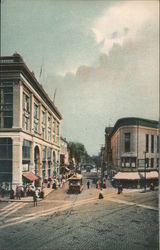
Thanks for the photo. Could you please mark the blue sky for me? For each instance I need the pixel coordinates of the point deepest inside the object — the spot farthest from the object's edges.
(101, 56)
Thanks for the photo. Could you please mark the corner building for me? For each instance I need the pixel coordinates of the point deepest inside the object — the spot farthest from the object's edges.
(131, 143)
(29, 125)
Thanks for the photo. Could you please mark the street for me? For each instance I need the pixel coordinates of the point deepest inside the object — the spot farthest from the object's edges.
(63, 221)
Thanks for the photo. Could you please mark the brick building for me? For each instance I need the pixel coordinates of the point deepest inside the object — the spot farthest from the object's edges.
(29, 125)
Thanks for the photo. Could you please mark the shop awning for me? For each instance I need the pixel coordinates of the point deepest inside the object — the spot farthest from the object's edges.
(136, 175)
(30, 176)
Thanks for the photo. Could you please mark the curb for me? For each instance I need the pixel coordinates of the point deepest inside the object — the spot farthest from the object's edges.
(26, 201)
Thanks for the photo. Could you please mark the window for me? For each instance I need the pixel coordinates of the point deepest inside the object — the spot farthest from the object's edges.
(127, 142)
(157, 144)
(49, 127)
(128, 162)
(43, 132)
(147, 162)
(43, 123)
(54, 130)
(43, 117)
(152, 143)
(26, 149)
(49, 162)
(26, 111)
(44, 162)
(5, 160)
(36, 118)
(152, 162)
(26, 102)
(157, 162)
(6, 105)
(57, 133)
(147, 143)
(26, 155)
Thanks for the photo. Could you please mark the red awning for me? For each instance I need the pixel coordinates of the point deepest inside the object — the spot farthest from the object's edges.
(30, 176)
(136, 175)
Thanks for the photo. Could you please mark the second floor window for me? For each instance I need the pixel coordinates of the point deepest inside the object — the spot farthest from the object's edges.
(147, 143)
(152, 143)
(127, 142)
(6, 105)
(36, 118)
(43, 123)
(157, 144)
(26, 111)
(43, 117)
(152, 162)
(54, 129)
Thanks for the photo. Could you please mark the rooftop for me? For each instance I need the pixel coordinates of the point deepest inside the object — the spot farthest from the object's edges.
(135, 121)
(16, 64)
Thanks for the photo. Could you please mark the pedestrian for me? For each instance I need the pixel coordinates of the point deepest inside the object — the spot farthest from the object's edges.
(62, 185)
(35, 199)
(120, 188)
(19, 191)
(152, 186)
(11, 194)
(88, 184)
(104, 183)
(42, 194)
(3, 191)
(25, 191)
(101, 194)
(98, 184)
(54, 185)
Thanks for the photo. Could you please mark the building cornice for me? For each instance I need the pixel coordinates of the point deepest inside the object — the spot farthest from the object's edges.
(15, 65)
(133, 121)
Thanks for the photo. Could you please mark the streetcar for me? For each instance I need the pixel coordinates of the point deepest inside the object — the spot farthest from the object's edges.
(75, 184)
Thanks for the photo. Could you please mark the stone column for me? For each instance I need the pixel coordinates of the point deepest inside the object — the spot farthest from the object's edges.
(17, 161)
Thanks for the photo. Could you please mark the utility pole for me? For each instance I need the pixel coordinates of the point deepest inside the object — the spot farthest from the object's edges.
(145, 171)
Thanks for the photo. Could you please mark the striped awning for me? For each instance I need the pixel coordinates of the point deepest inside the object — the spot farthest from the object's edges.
(136, 175)
(30, 176)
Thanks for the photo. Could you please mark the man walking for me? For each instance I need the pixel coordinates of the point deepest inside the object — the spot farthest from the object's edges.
(88, 184)
(35, 199)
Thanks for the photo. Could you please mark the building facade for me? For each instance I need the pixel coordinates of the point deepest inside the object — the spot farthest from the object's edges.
(29, 124)
(132, 144)
(64, 152)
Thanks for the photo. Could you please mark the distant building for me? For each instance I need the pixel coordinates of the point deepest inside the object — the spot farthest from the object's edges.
(130, 144)
(29, 125)
(64, 153)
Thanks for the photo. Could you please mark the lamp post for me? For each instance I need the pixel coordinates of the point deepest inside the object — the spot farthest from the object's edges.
(145, 171)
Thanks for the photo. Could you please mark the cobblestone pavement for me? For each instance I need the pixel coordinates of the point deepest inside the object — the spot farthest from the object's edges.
(126, 221)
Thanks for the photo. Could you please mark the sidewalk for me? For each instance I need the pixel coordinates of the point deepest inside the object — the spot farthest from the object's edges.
(27, 199)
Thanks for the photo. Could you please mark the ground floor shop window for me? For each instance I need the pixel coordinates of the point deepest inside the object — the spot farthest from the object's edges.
(44, 162)
(5, 160)
(36, 160)
(49, 162)
(128, 162)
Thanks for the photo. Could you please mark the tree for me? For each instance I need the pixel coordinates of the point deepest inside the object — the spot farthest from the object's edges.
(78, 152)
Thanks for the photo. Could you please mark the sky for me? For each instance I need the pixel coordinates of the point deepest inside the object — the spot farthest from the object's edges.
(101, 58)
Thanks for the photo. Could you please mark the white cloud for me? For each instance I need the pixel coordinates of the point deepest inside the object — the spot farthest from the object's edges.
(123, 21)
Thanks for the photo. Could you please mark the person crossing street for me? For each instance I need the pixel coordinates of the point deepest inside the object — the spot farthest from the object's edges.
(35, 196)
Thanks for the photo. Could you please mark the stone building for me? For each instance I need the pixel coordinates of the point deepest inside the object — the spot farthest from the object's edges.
(29, 125)
(130, 144)
(64, 152)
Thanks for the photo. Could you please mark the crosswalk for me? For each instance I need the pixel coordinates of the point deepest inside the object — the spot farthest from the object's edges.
(10, 209)
(9, 215)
